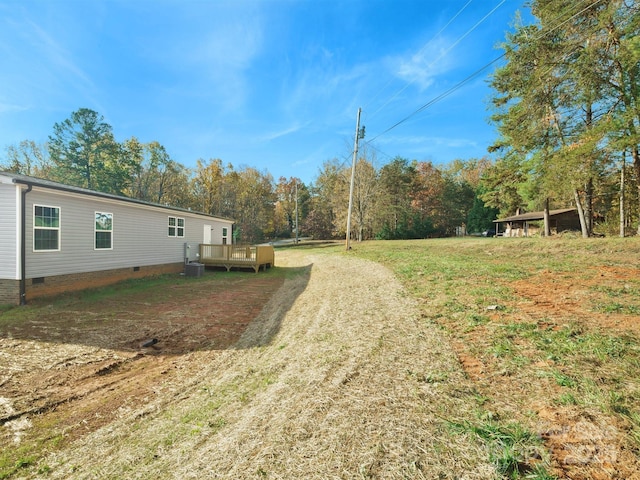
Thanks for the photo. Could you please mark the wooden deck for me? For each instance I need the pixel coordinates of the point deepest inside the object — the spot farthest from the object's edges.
(238, 256)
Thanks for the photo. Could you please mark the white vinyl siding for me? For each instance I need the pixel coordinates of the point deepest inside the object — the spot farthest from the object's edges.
(9, 231)
(139, 238)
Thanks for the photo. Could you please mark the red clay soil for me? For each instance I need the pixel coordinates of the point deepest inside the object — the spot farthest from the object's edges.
(55, 367)
(552, 295)
(583, 444)
(576, 439)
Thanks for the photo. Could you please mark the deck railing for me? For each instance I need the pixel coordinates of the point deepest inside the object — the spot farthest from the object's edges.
(229, 256)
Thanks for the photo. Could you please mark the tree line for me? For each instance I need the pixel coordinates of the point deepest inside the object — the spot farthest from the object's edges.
(402, 199)
(565, 103)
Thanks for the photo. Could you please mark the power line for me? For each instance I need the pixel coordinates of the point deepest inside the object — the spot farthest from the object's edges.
(453, 45)
(369, 145)
(477, 72)
(424, 47)
(440, 97)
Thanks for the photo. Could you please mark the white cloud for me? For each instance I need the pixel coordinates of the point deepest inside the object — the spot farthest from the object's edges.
(43, 64)
(229, 46)
(269, 136)
(214, 64)
(12, 108)
(324, 92)
(423, 67)
(59, 58)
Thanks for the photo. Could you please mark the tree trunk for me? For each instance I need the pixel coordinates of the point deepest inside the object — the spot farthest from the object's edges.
(636, 165)
(588, 205)
(547, 226)
(622, 214)
(583, 222)
(87, 174)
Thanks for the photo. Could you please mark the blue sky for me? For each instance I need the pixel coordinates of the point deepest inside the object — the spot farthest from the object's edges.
(271, 84)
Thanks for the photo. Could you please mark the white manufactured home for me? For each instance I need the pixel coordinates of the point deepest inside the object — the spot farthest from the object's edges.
(56, 238)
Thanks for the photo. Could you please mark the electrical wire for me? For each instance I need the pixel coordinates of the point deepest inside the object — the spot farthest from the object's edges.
(442, 54)
(440, 97)
(477, 72)
(370, 145)
(424, 47)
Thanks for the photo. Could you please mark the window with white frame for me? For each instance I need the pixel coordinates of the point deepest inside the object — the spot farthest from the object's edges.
(176, 227)
(104, 231)
(46, 228)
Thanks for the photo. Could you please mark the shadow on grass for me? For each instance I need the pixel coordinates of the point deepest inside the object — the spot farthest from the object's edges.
(167, 315)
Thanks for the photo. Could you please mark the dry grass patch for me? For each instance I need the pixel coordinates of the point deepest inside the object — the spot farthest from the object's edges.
(337, 377)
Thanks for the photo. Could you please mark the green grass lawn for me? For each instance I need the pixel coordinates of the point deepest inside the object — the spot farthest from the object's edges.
(549, 331)
(546, 330)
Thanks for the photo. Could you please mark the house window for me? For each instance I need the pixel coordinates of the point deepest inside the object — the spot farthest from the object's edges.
(176, 227)
(46, 228)
(104, 231)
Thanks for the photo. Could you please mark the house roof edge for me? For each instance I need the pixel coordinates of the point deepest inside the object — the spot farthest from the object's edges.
(533, 216)
(43, 183)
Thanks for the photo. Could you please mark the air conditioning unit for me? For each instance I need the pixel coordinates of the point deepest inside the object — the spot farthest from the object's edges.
(194, 269)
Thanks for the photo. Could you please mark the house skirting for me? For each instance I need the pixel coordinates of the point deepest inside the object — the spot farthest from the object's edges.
(9, 292)
(55, 285)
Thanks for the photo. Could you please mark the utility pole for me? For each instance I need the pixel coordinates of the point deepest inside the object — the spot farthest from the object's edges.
(296, 211)
(359, 135)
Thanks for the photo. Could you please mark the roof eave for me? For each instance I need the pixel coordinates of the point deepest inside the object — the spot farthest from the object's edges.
(33, 181)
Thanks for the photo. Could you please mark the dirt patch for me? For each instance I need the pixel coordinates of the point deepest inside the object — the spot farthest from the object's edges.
(336, 376)
(575, 297)
(80, 366)
(508, 358)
